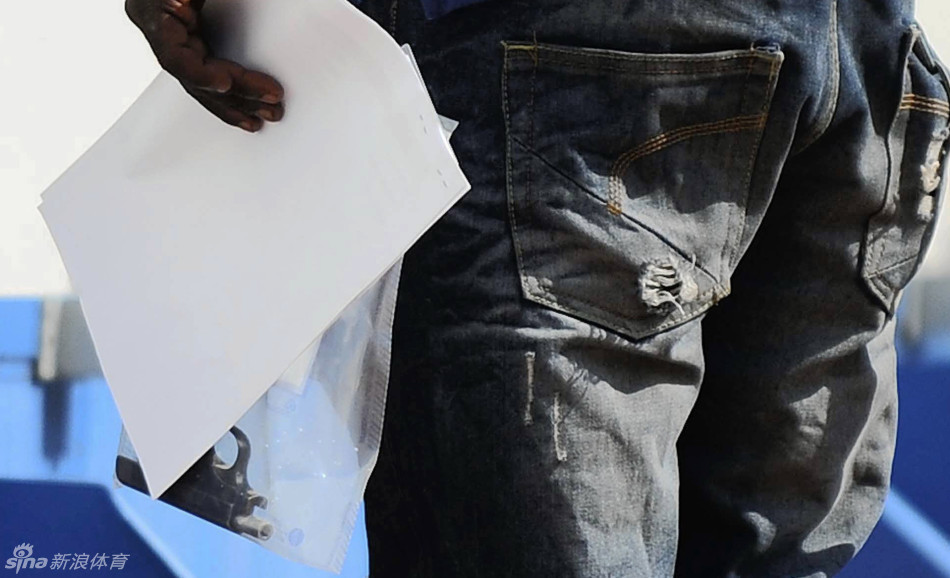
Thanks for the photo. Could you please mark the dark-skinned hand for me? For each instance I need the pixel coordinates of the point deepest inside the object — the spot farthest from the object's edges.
(238, 96)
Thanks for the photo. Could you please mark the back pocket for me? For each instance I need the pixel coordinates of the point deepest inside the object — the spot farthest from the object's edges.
(917, 146)
(628, 177)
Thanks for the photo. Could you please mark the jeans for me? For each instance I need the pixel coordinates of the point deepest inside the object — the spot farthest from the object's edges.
(656, 338)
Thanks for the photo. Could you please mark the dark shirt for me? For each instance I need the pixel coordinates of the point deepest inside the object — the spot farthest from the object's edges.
(436, 8)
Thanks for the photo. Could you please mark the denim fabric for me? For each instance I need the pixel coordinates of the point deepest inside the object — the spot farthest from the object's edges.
(657, 336)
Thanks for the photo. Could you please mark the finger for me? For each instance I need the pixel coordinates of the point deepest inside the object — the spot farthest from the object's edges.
(229, 114)
(253, 85)
(263, 110)
(184, 11)
(192, 68)
(271, 112)
(184, 57)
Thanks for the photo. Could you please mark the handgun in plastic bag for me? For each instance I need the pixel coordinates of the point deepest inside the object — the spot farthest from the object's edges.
(211, 489)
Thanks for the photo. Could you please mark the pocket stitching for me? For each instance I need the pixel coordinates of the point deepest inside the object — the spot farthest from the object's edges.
(878, 256)
(927, 100)
(667, 139)
(620, 323)
(878, 287)
(689, 311)
(651, 72)
(700, 63)
(900, 263)
(925, 104)
(656, 234)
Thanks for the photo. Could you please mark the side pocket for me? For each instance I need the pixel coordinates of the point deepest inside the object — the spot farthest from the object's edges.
(918, 143)
(628, 177)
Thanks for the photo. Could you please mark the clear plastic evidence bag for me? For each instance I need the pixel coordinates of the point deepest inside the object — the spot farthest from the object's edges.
(291, 473)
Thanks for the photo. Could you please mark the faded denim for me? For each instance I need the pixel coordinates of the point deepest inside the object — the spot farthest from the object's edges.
(657, 336)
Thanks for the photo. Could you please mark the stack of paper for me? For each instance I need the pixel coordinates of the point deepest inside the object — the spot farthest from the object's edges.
(207, 259)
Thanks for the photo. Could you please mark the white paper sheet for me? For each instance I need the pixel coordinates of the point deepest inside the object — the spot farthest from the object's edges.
(207, 259)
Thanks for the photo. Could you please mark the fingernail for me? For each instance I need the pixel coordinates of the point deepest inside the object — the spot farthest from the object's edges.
(265, 114)
(248, 125)
(270, 98)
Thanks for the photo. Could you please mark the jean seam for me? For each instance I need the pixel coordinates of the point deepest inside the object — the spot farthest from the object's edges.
(900, 263)
(557, 170)
(823, 122)
(750, 167)
(882, 290)
(874, 257)
(533, 83)
(740, 212)
(913, 253)
(512, 218)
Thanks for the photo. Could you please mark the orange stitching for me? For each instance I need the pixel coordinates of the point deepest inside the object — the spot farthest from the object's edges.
(655, 147)
(907, 105)
(667, 139)
(924, 108)
(595, 53)
(927, 108)
(659, 143)
(648, 71)
(925, 100)
(615, 182)
(594, 64)
(913, 103)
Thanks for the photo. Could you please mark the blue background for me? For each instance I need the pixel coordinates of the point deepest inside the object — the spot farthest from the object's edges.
(56, 489)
